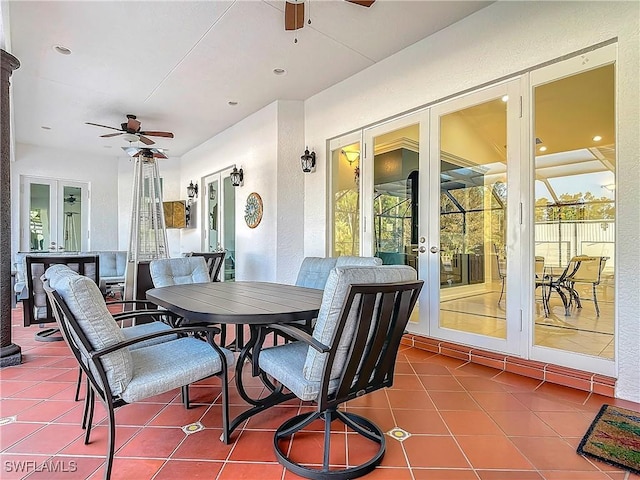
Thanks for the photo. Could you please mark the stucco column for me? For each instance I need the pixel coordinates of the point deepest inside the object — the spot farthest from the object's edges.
(10, 353)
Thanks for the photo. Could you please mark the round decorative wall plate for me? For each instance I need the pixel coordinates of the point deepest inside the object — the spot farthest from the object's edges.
(253, 210)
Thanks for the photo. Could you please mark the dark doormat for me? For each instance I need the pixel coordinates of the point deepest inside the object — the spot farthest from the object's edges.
(614, 438)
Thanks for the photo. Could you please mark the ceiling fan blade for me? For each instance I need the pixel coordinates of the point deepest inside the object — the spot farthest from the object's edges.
(362, 3)
(157, 134)
(133, 125)
(111, 135)
(103, 126)
(293, 16)
(145, 140)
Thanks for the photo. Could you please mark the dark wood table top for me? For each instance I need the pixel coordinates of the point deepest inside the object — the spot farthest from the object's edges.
(238, 302)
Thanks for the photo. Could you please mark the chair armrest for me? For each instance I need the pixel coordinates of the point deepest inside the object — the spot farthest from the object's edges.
(299, 334)
(132, 341)
(146, 305)
(156, 315)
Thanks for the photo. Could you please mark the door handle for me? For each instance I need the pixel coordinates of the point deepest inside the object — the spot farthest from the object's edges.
(434, 249)
(419, 250)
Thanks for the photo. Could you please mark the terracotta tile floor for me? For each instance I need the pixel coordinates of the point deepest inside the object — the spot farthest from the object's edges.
(464, 423)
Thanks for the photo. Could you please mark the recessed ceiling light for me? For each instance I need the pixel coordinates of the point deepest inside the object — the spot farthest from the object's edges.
(232, 103)
(597, 138)
(543, 148)
(45, 127)
(107, 146)
(505, 98)
(62, 50)
(279, 71)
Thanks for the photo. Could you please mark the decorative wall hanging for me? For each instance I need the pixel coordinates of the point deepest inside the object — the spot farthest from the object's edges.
(253, 210)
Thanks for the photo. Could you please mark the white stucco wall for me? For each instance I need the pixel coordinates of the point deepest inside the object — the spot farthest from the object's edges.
(499, 40)
(260, 145)
(99, 172)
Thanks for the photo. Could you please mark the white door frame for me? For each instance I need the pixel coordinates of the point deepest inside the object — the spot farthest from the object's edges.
(516, 274)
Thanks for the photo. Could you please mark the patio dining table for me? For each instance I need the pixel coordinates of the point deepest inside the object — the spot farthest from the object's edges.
(241, 303)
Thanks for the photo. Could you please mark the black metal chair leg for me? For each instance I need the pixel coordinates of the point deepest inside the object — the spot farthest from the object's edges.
(92, 402)
(85, 413)
(111, 445)
(501, 292)
(77, 396)
(185, 396)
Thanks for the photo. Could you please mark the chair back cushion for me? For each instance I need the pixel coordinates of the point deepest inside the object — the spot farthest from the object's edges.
(314, 271)
(86, 303)
(340, 278)
(178, 271)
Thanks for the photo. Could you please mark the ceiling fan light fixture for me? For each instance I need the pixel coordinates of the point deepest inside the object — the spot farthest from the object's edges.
(130, 137)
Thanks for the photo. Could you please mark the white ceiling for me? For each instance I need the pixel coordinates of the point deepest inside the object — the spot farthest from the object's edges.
(177, 64)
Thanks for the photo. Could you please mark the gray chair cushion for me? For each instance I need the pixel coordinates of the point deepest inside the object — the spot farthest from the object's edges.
(165, 366)
(314, 271)
(285, 362)
(332, 300)
(347, 261)
(86, 303)
(177, 271)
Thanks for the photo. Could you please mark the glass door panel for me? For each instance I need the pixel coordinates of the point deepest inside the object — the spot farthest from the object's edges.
(40, 217)
(57, 213)
(345, 191)
(472, 140)
(220, 220)
(574, 211)
(391, 173)
(395, 196)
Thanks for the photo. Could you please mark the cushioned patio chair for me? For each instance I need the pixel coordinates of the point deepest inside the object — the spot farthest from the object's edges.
(180, 271)
(351, 353)
(314, 271)
(214, 260)
(119, 375)
(40, 309)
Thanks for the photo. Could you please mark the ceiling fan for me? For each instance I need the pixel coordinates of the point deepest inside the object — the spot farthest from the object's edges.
(132, 132)
(294, 12)
(72, 199)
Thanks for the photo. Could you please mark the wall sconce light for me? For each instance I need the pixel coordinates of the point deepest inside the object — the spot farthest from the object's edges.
(212, 193)
(236, 177)
(308, 160)
(192, 191)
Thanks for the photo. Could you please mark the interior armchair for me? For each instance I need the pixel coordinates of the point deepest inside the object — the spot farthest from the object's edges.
(120, 375)
(351, 353)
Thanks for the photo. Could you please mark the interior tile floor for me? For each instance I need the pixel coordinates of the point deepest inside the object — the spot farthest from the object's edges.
(464, 422)
(582, 331)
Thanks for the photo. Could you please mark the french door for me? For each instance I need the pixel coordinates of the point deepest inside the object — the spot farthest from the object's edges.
(55, 215)
(440, 191)
(473, 222)
(219, 219)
